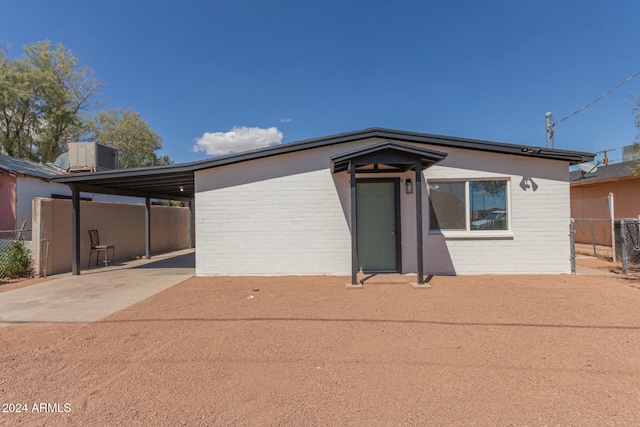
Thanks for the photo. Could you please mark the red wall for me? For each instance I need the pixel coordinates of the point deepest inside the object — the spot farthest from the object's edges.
(7, 202)
(626, 195)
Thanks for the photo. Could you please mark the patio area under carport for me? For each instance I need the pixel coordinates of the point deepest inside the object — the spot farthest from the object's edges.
(171, 182)
(97, 293)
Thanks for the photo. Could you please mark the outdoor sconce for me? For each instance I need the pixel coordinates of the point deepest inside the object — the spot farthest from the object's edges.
(409, 186)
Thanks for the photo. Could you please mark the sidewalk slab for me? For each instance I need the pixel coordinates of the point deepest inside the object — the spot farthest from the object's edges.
(97, 293)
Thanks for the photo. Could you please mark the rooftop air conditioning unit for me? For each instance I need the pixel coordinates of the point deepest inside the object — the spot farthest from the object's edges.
(629, 153)
(91, 156)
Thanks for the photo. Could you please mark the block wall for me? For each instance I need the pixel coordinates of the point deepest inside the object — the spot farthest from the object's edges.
(289, 215)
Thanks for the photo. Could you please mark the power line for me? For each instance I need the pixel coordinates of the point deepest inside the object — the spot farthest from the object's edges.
(598, 98)
(551, 122)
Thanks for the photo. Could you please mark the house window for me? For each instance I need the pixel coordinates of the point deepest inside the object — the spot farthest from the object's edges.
(469, 205)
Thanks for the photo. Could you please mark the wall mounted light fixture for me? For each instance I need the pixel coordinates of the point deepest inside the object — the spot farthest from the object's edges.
(409, 186)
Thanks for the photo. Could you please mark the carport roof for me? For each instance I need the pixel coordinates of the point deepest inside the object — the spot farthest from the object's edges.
(172, 182)
(177, 181)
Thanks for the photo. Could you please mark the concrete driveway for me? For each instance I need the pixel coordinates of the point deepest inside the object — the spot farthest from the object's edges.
(95, 293)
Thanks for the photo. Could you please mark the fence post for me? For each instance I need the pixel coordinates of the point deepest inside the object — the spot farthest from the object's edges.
(612, 221)
(623, 232)
(593, 237)
(572, 234)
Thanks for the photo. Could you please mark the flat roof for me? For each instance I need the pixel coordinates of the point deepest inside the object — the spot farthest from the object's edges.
(177, 181)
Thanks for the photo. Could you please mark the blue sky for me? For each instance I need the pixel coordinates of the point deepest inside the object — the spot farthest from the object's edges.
(292, 70)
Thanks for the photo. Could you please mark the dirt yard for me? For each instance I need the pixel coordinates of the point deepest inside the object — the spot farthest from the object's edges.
(471, 351)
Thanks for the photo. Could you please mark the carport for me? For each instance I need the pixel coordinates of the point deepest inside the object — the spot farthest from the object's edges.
(171, 182)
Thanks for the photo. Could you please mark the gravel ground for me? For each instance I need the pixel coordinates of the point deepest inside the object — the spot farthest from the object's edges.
(11, 284)
(472, 351)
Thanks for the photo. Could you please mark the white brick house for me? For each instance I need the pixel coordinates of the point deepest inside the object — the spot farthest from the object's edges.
(287, 210)
(376, 200)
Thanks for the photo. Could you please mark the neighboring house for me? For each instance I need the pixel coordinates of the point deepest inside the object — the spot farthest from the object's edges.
(617, 179)
(376, 200)
(22, 180)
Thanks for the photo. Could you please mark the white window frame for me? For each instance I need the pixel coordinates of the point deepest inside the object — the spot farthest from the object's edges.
(468, 233)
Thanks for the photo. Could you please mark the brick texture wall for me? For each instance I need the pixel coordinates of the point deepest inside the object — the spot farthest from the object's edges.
(289, 215)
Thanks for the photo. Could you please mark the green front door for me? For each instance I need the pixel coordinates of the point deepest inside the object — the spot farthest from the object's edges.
(376, 216)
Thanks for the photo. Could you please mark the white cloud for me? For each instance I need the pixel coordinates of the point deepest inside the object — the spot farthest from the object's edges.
(237, 139)
(285, 120)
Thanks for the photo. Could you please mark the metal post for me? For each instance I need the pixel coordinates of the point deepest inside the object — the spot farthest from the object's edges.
(612, 224)
(593, 238)
(623, 232)
(354, 227)
(419, 223)
(572, 234)
(147, 227)
(75, 230)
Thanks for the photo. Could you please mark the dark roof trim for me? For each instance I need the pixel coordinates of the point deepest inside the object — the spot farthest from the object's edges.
(388, 153)
(169, 178)
(573, 157)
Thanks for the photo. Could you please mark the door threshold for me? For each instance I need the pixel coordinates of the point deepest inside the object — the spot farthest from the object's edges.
(390, 278)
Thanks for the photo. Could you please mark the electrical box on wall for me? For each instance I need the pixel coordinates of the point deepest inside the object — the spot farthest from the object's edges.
(91, 156)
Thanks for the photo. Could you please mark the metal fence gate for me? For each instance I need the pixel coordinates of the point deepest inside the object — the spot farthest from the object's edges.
(594, 227)
(627, 236)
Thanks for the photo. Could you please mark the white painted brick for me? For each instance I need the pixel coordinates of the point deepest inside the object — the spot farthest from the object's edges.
(284, 215)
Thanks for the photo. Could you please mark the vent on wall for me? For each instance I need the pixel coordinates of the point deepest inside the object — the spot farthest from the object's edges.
(91, 156)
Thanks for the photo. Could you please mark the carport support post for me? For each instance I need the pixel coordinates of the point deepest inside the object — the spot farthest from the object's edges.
(75, 230)
(354, 228)
(147, 227)
(419, 222)
(192, 223)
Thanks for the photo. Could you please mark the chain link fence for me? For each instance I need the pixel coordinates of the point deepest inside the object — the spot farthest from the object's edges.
(15, 254)
(594, 227)
(627, 231)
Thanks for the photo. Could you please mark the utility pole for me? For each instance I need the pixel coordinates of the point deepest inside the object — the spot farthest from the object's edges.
(550, 122)
(605, 159)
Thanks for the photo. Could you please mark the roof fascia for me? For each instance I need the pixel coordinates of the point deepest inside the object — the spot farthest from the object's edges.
(87, 188)
(573, 157)
(591, 182)
(122, 173)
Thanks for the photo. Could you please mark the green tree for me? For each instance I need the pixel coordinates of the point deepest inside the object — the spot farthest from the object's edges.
(19, 110)
(66, 95)
(127, 132)
(44, 98)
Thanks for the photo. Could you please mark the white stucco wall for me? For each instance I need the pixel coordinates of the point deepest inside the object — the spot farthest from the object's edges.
(289, 215)
(28, 188)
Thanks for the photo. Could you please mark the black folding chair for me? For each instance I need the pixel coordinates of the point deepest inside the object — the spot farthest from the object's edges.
(97, 247)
